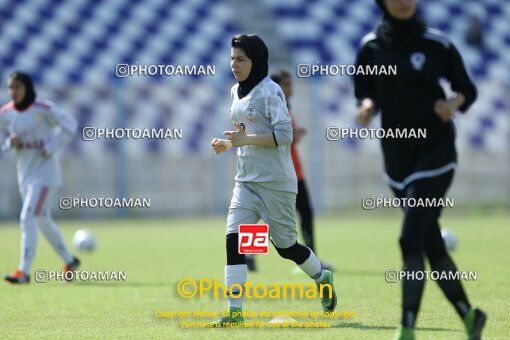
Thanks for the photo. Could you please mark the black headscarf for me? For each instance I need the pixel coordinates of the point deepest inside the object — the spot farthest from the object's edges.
(29, 90)
(393, 30)
(256, 50)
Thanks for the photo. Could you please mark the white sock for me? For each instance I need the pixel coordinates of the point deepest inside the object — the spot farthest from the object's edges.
(54, 237)
(235, 274)
(312, 267)
(28, 242)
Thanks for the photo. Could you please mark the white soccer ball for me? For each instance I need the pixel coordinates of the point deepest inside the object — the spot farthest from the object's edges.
(83, 240)
(449, 239)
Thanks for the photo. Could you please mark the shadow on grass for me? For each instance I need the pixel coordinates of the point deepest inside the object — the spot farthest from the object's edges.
(358, 325)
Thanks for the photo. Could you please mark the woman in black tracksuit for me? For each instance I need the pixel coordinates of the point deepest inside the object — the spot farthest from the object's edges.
(417, 168)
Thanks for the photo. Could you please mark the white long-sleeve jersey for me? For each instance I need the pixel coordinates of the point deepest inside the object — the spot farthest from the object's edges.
(41, 127)
(261, 111)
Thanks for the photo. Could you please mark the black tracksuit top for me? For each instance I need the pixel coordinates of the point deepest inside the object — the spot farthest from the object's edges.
(406, 100)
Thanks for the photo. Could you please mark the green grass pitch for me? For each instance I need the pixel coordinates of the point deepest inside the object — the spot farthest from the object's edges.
(156, 254)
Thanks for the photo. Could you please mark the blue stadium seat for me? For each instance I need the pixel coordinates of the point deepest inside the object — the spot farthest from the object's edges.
(75, 43)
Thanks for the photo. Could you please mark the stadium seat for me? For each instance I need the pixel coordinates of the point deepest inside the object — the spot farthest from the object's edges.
(78, 44)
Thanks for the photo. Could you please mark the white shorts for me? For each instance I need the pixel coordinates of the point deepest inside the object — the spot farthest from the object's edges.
(252, 202)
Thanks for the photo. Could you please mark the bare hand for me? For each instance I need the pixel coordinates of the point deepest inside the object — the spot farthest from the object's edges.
(237, 137)
(444, 109)
(15, 141)
(365, 111)
(220, 145)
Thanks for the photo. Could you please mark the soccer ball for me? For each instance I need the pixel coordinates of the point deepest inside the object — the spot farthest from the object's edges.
(83, 240)
(449, 239)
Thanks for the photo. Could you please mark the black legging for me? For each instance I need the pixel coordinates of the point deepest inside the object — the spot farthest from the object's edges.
(420, 230)
(421, 234)
(304, 208)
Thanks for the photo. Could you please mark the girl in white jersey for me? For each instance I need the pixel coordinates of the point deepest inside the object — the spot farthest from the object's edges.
(266, 183)
(36, 131)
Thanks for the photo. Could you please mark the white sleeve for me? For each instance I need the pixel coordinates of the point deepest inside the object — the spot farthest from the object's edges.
(280, 118)
(5, 138)
(66, 129)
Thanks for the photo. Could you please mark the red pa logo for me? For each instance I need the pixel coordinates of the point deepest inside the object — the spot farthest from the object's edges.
(253, 238)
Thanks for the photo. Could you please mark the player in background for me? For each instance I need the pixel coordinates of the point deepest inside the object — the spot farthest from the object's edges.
(266, 184)
(36, 130)
(303, 203)
(418, 168)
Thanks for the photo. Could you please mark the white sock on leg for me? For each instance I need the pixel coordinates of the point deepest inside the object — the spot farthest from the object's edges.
(28, 242)
(312, 267)
(52, 233)
(235, 274)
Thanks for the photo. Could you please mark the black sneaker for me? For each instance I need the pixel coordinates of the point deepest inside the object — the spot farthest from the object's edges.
(17, 277)
(474, 322)
(71, 267)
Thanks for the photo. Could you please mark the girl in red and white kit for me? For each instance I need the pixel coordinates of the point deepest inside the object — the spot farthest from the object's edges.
(36, 130)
